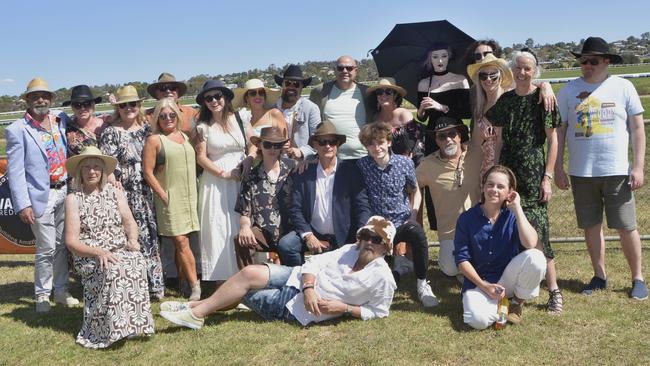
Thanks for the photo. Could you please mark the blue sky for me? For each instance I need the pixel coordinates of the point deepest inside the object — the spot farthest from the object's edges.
(70, 42)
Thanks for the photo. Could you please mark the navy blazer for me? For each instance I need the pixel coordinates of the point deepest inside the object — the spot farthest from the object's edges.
(350, 206)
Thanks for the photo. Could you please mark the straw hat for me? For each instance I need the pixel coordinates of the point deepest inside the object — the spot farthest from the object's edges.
(35, 85)
(382, 227)
(326, 128)
(271, 134)
(387, 83)
(272, 95)
(491, 60)
(125, 94)
(167, 78)
(90, 151)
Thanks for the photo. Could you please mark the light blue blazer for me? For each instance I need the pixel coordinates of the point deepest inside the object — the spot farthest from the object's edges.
(28, 168)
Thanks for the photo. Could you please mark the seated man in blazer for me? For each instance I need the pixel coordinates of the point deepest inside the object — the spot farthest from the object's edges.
(328, 201)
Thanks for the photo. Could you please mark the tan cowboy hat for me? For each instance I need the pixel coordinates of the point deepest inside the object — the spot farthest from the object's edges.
(90, 151)
(491, 60)
(36, 85)
(387, 83)
(326, 128)
(382, 227)
(270, 134)
(272, 95)
(167, 78)
(125, 94)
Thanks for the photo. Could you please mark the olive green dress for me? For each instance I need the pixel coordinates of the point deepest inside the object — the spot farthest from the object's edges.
(178, 178)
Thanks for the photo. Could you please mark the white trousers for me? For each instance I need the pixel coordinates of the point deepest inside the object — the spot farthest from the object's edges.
(446, 259)
(521, 278)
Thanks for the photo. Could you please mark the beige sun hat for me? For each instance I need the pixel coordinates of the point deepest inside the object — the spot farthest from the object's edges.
(387, 83)
(36, 85)
(90, 151)
(491, 60)
(272, 95)
(125, 94)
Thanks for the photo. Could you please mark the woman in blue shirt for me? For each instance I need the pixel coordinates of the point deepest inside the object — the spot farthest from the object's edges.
(494, 250)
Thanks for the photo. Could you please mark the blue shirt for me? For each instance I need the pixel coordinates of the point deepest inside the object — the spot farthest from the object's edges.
(489, 248)
(388, 188)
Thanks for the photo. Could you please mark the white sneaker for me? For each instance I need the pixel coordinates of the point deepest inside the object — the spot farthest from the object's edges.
(64, 298)
(42, 304)
(243, 307)
(184, 318)
(174, 306)
(402, 265)
(425, 294)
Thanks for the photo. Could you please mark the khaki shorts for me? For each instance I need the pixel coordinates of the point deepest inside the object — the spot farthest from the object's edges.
(591, 194)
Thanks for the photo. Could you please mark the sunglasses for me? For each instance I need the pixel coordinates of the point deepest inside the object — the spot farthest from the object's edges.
(167, 87)
(78, 105)
(483, 76)
(590, 61)
(272, 145)
(166, 116)
(127, 104)
(324, 142)
(292, 83)
(373, 238)
(256, 92)
(341, 68)
(385, 91)
(478, 56)
(211, 97)
(443, 135)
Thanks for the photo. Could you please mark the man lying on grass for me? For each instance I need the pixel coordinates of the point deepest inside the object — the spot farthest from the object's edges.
(353, 280)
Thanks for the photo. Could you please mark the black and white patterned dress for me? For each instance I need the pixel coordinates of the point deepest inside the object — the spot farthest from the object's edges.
(127, 147)
(116, 300)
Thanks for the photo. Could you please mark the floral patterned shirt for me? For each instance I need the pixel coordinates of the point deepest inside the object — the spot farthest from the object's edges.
(54, 146)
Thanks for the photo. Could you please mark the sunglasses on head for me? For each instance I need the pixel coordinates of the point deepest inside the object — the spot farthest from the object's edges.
(373, 238)
(167, 87)
(292, 83)
(256, 92)
(211, 97)
(385, 91)
(86, 104)
(483, 76)
(127, 104)
(166, 116)
(272, 145)
(443, 135)
(325, 142)
(341, 68)
(591, 61)
(478, 56)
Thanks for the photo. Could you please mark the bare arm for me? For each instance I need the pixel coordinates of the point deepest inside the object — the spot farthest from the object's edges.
(551, 157)
(638, 149)
(415, 199)
(151, 149)
(546, 95)
(527, 234)
(310, 296)
(561, 180)
(202, 158)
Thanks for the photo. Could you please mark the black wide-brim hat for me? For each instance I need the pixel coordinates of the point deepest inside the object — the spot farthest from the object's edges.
(445, 123)
(214, 85)
(596, 46)
(293, 72)
(81, 93)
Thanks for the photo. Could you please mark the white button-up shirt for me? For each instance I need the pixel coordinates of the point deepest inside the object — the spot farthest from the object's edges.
(321, 215)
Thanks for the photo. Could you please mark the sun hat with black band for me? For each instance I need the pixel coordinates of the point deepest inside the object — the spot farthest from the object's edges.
(293, 72)
(213, 85)
(81, 93)
(270, 134)
(90, 151)
(125, 94)
(167, 78)
(37, 85)
(491, 60)
(272, 95)
(326, 128)
(596, 46)
(387, 83)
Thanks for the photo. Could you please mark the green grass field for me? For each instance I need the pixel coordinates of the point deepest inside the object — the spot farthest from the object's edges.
(607, 328)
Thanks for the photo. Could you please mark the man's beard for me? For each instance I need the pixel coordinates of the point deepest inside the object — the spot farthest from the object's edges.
(451, 149)
(41, 110)
(290, 96)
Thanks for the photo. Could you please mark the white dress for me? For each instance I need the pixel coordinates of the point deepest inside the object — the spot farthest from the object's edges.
(217, 197)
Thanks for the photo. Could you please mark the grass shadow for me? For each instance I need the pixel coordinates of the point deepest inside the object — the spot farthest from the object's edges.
(62, 319)
(16, 264)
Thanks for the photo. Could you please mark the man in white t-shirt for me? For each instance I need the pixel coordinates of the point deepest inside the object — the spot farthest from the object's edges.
(342, 102)
(600, 114)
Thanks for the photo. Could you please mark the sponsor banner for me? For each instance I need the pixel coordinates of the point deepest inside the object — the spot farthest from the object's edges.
(15, 236)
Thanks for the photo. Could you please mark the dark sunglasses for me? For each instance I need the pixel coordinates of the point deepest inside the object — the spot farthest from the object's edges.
(256, 92)
(86, 104)
(373, 238)
(590, 61)
(127, 104)
(324, 142)
(165, 116)
(488, 76)
(478, 56)
(341, 68)
(443, 135)
(385, 91)
(272, 145)
(168, 87)
(292, 83)
(211, 97)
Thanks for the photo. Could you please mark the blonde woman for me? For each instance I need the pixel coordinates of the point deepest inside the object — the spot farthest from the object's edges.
(124, 140)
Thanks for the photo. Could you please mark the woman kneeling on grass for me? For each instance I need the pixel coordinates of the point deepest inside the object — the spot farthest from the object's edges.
(353, 280)
(488, 248)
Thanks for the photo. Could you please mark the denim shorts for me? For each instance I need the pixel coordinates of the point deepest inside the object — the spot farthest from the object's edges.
(270, 301)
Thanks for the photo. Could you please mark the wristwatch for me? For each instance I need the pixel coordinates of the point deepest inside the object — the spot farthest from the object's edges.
(348, 310)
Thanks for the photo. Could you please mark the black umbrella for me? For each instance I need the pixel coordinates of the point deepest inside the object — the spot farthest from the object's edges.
(401, 54)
